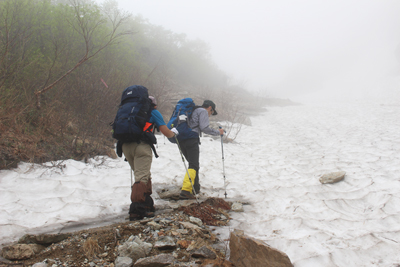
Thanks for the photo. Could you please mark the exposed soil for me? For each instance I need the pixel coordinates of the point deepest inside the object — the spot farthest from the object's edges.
(209, 211)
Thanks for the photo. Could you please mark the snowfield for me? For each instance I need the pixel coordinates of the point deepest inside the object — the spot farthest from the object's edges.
(273, 165)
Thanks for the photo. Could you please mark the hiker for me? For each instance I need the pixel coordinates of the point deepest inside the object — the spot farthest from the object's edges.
(198, 122)
(139, 155)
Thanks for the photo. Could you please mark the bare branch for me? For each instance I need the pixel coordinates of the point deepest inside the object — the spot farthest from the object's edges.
(87, 31)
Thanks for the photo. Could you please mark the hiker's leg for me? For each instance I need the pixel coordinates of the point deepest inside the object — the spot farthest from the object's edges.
(140, 158)
(187, 183)
(142, 163)
(129, 152)
(190, 149)
(143, 160)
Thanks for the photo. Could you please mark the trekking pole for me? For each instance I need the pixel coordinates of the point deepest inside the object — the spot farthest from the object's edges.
(223, 164)
(187, 171)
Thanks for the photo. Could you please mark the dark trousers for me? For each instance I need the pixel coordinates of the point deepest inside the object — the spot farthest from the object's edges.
(191, 150)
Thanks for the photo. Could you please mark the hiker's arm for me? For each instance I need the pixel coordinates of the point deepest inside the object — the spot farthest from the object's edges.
(159, 121)
(204, 124)
(165, 131)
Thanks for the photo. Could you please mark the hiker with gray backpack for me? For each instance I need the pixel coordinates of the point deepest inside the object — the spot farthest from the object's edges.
(133, 127)
(188, 121)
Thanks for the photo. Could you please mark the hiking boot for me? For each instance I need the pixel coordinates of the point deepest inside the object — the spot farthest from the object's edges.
(135, 217)
(149, 203)
(186, 195)
(149, 214)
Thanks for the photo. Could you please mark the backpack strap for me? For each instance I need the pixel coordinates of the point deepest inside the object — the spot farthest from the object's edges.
(148, 136)
(154, 150)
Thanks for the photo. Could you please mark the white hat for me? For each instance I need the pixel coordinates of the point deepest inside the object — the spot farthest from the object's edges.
(153, 99)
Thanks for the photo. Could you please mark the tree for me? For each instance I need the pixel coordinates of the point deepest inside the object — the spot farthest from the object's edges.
(91, 26)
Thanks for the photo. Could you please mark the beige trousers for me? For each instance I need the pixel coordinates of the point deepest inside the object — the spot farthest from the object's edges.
(139, 157)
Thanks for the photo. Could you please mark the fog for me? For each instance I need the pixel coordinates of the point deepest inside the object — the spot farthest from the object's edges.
(292, 49)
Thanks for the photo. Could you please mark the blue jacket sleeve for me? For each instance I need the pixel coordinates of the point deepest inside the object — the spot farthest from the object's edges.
(157, 118)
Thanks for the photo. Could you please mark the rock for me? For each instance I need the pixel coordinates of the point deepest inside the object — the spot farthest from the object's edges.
(165, 221)
(204, 252)
(21, 251)
(196, 244)
(43, 239)
(136, 239)
(183, 244)
(246, 251)
(237, 207)
(154, 225)
(182, 231)
(134, 248)
(40, 264)
(165, 242)
(169, 192)
(123, 262)
(195, 220)
(332, 177)
(222, 247)
(155, 261)
(189, 225)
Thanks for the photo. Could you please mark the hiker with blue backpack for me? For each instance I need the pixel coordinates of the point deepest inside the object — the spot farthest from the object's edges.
(133, 127)
(189, 121)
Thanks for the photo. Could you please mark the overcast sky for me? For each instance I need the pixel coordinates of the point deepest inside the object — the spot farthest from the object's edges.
(290, 47)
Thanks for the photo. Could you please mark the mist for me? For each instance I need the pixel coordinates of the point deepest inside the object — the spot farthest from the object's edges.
(292, 49)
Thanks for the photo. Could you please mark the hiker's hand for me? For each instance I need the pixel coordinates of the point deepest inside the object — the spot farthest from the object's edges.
(175, 131)
(221, 131)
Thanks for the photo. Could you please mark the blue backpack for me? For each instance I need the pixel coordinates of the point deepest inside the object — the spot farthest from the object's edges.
(132, 115)
(184, 107)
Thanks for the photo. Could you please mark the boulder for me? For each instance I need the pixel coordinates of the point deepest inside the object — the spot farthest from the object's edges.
(332, 177)
(246, 251)
(168, 192)
(134, 248)
(43, 239)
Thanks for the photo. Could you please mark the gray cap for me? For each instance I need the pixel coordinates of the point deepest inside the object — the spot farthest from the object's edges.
(212, 104)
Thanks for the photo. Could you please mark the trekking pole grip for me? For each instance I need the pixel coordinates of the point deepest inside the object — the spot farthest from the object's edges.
(220, 127)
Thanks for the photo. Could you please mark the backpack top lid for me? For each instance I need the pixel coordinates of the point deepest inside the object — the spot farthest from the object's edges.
(185, 105)
(134, 91)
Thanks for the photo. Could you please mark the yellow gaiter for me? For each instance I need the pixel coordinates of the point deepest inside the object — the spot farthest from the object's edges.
(187, 186)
